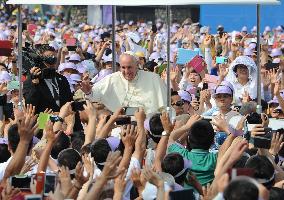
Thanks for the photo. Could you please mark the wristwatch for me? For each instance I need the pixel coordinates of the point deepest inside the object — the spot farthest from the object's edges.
(164, 133)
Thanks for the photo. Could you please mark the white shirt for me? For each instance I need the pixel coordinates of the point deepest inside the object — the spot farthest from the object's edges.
(147, 90)
(250, 87)
(4, 165)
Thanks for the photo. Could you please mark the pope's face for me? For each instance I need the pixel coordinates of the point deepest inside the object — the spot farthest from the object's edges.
(128, 68)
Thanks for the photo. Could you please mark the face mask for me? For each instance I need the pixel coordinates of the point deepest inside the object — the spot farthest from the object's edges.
(50, 60)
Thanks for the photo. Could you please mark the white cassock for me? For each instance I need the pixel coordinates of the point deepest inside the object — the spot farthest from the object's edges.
(147, 90)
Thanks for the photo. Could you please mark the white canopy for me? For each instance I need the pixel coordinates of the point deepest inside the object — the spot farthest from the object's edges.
(140, 2)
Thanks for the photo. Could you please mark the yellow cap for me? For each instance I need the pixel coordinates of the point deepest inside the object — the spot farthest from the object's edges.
(140, 54)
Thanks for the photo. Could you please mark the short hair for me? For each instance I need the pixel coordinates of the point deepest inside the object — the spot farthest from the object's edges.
(14, 139)
(241, 190)
(2, 64)
(62, 142)
(201, 135)
(131, 55)
(276, 193)
(156, 127)
(69, 158)
(172, 164)
(263, 169)
(4, 153)
(174, 93)
(86, 149)
(99, 151)
(44, 48)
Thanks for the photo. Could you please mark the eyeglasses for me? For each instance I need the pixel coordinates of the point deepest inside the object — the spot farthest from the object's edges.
(178, 103)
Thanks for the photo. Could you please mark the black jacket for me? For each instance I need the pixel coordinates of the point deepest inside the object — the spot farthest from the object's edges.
(40, 96)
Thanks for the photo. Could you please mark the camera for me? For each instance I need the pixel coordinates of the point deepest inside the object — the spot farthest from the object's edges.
(254, 118)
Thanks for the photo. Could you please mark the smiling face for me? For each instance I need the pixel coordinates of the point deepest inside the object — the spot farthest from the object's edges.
(128, 67)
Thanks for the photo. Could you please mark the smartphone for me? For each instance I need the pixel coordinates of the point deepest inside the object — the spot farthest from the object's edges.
(237, 108)
(71, 44)
(21, 182)
(8, 111)
(197, 94)
(123, 121)
(130, 111)
(263, 141)
(154, 28)
(40, 179)
(78, 105)
(33, 197)
(233, 173)
(221, 60)
(181, 194)
(270, 66)
(50, 183)
(54, 118)
(205, 86)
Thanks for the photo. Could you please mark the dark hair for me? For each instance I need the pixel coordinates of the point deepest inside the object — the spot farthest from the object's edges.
(14, 139)
(263, 169)
(86, 149)
(99, 151)
(172, 164)
(241, 162)
(45, 47)
(77, 140)
(2, 64)
(174, 93)
(69, 158)
(4, 153)
(62, 142)
(156, 127)
(276, 193)
(201, 135)
(241, 190)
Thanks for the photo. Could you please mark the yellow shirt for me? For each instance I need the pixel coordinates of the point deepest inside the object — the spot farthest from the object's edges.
(147, 90)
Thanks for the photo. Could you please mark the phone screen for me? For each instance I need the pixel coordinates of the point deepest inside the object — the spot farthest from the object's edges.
(123, 121)
(49, 185)
(130, 111)
(33, 197)
(22, 183)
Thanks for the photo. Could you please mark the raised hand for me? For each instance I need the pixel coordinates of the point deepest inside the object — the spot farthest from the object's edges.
(166, 122)
(128, 135)
(194, 118)
(65, 180)
(29, 164)
(86, 86)
(174, 74)
(90, 110)
(110, 168)
(140, 115)
(80, 179)
(152, 177)
(276, 143)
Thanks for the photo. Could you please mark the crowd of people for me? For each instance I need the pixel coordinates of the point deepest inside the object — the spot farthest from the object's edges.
(84, 131)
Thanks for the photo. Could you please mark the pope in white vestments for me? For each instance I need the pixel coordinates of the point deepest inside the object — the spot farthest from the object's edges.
(130, 87)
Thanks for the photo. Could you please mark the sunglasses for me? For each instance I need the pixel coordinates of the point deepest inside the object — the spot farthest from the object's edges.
(178, 103)
(218, 96)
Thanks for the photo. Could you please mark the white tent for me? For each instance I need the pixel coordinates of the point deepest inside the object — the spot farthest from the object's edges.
(166, 3)
(139, 2)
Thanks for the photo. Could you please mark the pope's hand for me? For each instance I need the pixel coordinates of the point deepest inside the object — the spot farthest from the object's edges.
(86, 85)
